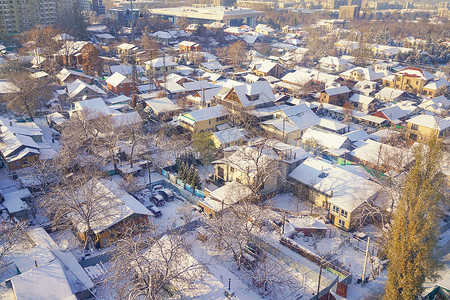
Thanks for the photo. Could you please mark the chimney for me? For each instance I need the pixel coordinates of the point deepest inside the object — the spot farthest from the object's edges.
(35, 263)
(10, 123)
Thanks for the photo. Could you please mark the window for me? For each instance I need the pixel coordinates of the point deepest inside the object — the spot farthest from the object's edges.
(344, 213)
(341, 223)
(25, 161)
(414, 126)
(17, 163)
(231, 169)
(86, 92)
(335, 209)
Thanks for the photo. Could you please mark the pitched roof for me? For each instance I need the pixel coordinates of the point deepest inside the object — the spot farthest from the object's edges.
(337, 90)
(161, 105)
(229, 135)
(358, 98)
(429, 121)
(346, 189)
(324, 138)
(260, 88)
(95, 106)
(416, 73)
(117, 78)
(207, 113)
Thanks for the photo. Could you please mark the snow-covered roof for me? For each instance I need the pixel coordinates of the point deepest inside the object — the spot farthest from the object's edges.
(366, 73)
(389, 94)
(346, 189)
(122, 205)
(95, 107)
(430, 121)
(161, 62)
(337, 90)
(229, 135)
(357, 135)
(331, 124)
(332, 60)
(416, 73)
(260, 88)
(377, 154)
(118, 99)
(436, 105)
(7, 87)
(434, 85)
(206, 113)
(125, 69)
(77, 277)
(358, 98)
(212, 65)
(75, 88)
(162, 105)
(327, 139)
(301, 116)
(393, 113)
(126, 119)
(117, 78)
(43, 283)
(126, 46)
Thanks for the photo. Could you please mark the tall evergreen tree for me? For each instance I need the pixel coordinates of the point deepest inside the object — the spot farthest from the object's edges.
(415, 228)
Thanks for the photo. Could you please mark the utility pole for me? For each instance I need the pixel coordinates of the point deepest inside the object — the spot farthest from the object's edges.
(365, 262)
(133, 61)
(318, 283)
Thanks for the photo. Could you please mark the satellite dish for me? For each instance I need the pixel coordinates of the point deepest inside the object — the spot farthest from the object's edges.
(63, 245)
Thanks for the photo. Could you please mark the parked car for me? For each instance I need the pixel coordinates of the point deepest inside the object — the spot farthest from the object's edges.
(157, 187)
(167, 194)
(156, 211)
(158, 199)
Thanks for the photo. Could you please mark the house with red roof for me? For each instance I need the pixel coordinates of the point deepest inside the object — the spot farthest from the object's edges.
(409, 79)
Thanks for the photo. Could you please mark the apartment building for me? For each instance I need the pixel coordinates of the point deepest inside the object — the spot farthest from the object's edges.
(21, 15)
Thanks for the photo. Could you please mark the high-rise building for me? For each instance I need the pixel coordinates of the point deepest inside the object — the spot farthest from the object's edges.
(20, 15)
(97, 6)
(349, 12)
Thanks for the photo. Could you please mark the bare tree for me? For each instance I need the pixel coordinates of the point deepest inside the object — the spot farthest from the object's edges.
(27, 94)
(272, 277)
(92, 63)
(81, 201)
(11, 235)
(144, 265)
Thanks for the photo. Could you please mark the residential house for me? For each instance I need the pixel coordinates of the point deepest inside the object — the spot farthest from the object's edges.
(394, 114)
(228, 138)
(125, 49)
(119, 84)
(421, 127)
(203, 98)
(263, 67)
(381, 157)
(164, 37)
(67, 76)
(224, 197)
(315, 139)
(410, 80)
(437, 105)
(90, 109)
(264, 165)
(162, 108)
(17, 149)
(81, 90)
(204, 119)
(291, 123)
(70, 53)
(340, 191)
(360, 74)
(333, 64)
(160, 66)
(389, 94)
(433, 87)
(265, 30)
(126, 70)
(363, 103)
(335, 95)
(121, 209)
(46, 272)
(178, 87)
(239, 98)
(16, 204)
(187, 46)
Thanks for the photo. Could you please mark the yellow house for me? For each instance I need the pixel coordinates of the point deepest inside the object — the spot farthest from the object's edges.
(224, 197)
(228, 137)
(204, 119)
(264, 164)
(342, 193)
(433, 87)
(410, 80)
(425, 126)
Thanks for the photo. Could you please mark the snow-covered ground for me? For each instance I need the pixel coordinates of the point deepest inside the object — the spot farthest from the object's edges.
(47, 133)
(289, 202)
